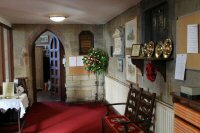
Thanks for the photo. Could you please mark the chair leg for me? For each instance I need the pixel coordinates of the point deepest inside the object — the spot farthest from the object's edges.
(103, 127)
(125, 128)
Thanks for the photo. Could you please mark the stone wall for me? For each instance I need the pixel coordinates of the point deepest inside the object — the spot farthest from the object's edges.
(109, 29)
(83, 88)
(176, 8)
(159, 86)
(25, 35)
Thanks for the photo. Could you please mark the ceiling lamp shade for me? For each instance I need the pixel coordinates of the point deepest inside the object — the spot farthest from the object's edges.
(57, 18)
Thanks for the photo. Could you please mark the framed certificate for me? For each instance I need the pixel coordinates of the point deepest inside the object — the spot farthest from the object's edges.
(135, 50)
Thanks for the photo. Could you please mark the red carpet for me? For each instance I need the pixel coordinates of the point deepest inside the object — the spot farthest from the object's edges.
(59, 117)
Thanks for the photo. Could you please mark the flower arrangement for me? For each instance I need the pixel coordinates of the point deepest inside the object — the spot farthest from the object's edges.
(96, 61)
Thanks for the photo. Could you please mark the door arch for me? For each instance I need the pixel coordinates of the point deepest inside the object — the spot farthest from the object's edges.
(62, 90)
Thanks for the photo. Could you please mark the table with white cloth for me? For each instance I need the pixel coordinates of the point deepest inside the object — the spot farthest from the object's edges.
(14, 102)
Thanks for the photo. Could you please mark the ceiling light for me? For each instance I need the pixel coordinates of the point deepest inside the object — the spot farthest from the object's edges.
(57, 18)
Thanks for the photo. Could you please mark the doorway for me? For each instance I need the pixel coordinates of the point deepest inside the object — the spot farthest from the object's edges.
(49, 71)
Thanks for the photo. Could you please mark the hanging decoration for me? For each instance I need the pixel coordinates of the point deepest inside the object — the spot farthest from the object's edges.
(96, 61)
(151, 72)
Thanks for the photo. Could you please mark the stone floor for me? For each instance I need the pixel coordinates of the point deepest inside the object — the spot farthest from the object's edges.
(45, 96)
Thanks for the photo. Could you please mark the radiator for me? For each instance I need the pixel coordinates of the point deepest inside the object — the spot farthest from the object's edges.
(164, 122)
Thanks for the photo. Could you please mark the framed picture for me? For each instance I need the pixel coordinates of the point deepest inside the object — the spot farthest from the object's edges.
(131, 33)
(131, 70)
(44, 39)
(135, 50)
(120, 65)
(118, 42)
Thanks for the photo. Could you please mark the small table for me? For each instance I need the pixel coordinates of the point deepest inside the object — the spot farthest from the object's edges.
(15, 102)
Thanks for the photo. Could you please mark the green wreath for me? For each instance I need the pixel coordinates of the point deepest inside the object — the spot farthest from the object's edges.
(96, 61)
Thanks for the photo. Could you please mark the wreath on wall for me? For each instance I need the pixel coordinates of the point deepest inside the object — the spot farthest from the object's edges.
(96, 61)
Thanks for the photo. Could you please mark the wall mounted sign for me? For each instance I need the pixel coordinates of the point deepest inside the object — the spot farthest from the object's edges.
(44, 39)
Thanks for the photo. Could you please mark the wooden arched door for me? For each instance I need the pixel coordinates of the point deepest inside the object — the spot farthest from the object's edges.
(57, 69)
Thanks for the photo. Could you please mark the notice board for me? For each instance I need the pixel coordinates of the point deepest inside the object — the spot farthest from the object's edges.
(182, 22)
(75, 67)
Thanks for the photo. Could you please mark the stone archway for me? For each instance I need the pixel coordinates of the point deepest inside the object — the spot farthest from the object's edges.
(62, 76)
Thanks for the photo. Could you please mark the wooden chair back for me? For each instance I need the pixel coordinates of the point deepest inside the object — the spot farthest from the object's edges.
(22, 82)
(139, 110)
(132, 103)
(145, 110)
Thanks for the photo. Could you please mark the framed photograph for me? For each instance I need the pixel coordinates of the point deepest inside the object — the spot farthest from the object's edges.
(131, 33)
(135, 50)
(120, 65)
(131, 70)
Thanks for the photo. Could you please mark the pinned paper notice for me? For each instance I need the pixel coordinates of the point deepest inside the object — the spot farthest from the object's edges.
(76, 61)
(192, 38)
(72, 61)
(80, 61)
(180, 66)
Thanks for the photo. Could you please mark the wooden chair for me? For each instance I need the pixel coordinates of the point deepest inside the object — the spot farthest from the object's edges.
(22, 82)
(137, 117)
(10, 121)
(145, 109)
(117, 121)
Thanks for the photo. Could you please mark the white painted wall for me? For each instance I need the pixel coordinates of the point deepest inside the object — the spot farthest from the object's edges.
(116, 92)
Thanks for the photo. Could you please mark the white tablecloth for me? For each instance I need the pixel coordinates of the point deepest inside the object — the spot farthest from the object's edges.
(22, 103)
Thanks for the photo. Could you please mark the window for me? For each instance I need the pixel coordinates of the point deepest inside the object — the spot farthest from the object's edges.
(86, 42)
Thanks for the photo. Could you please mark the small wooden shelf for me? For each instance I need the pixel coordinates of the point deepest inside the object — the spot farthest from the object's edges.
(160, 64)
(151, 58)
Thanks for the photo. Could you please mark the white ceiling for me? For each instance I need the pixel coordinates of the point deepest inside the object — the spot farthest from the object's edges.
(78, 11)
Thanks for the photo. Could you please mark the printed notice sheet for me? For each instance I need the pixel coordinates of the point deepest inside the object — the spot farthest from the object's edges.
(180, 66)
(192, 38)
(80, 61)
(72, 61)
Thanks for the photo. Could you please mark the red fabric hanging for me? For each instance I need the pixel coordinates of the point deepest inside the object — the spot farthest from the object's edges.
(151, 72)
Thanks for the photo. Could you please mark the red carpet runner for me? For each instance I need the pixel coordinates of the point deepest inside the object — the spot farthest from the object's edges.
(59, 117)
